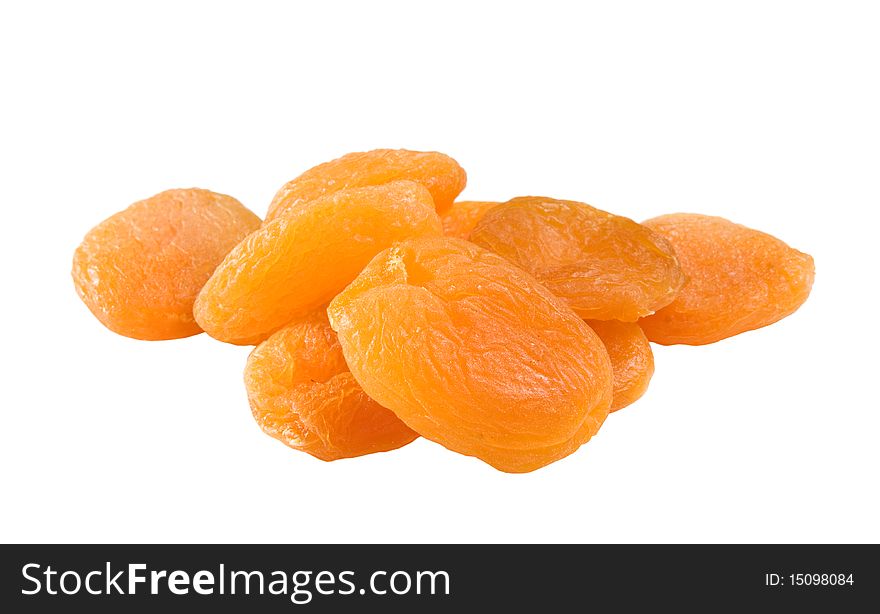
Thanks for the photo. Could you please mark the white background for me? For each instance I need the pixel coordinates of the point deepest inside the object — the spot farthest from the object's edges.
(762, 112)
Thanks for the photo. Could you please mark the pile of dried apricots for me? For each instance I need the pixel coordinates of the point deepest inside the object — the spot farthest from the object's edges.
(383, 309)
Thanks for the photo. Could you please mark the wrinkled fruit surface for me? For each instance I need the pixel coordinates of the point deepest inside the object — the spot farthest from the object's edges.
(739, 279)
(298, 262)
(302, 394)
(140, 270)
(632, 361)
(606, 267)
(459, 220)
(471, 352)
(439, 173)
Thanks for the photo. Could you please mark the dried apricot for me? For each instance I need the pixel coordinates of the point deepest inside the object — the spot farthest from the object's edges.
(140, 270)
(296, 263)
(632, 361)
(302, 393)
(473, 353)
(606, 267)
(739, 279)
(459, 220)
(442, 175)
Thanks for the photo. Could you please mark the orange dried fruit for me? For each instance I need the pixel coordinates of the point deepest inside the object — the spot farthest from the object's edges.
(442, 175)
(459, 220)
(296, 263)
(473, 353)
(739, 279)
(302, 393)
(606, 267)
(632, 361)
(140, 270)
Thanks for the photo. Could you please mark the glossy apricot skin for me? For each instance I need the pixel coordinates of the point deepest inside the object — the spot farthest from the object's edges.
(139, 271)
(459, 220)
(440, 174)
(606, 267)
(473, 353)
(296, 263)
(739, 279)
(632, 361)
(302, 393)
